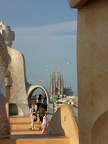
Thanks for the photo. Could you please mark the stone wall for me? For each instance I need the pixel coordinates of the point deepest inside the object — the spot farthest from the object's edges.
(18, 92)
(4, 123)
(63, 123)
(92, 57)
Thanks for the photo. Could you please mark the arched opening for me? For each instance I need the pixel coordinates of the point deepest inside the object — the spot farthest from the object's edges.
(100, 129)
(34, 93)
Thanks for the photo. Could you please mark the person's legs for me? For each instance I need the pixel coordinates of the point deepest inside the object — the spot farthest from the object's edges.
(43, 128)
(44, 131)
(32, 122)
(41, 119)
(33, 117)
(38, 105)
(30, 127)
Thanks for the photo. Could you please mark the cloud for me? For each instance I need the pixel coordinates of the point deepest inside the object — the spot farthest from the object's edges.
(50, 36)
(47, 38)
(45, 30)
(47, 44)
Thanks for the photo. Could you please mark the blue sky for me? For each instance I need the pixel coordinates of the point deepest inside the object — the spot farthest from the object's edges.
(45, 32)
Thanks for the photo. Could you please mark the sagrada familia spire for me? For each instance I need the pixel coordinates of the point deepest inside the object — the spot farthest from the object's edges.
(56, 84)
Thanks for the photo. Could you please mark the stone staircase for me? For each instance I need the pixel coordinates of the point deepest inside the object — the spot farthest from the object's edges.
(20, 125)
(20, 134)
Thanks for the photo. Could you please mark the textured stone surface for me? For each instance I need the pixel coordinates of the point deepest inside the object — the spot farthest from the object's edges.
(7, 34)
(63, 123)
(4, 123)
(18, 93)
(3, 65)
(92, 50)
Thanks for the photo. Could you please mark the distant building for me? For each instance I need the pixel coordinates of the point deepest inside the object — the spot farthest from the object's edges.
(68, 91)
(56, 84)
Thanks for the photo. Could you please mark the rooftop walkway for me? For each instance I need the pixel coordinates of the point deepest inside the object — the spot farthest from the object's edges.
(36, 139)
(20, 125)
(20, 134)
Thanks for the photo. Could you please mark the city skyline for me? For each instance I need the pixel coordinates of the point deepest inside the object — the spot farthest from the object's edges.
(45, 33)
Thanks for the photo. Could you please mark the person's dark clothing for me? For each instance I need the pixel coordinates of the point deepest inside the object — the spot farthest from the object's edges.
(41, 112)
(38, 105)
(45, 102)
(39, 102)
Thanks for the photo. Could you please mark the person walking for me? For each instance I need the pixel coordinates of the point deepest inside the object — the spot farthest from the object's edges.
(41, 112)
(33, 113)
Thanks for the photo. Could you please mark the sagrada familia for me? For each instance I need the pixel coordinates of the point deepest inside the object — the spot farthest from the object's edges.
(56, 84)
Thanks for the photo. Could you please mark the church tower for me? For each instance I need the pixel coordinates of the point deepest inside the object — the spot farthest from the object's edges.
(56, 84)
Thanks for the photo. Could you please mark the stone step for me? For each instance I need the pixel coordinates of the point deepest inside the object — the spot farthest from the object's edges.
(36, 139)
(24, 126)
(20, 120)
(20, 125)
(22, 132)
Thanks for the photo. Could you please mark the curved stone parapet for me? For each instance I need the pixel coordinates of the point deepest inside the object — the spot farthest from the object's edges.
(100, 130)
(63, 123)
